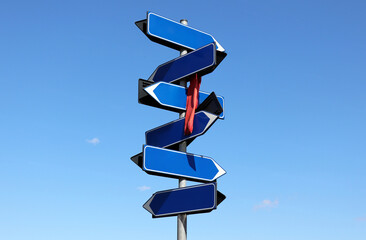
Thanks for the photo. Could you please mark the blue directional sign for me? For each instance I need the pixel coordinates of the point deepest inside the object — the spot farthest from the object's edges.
(175, 96)
(173, 133)
(200, 61)
(190, 200)
(174, 34)
(175, 164)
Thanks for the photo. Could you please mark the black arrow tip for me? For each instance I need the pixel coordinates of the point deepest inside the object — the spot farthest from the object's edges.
(220, 197)
(141, 25)
(211, 105)
(138, 158)
(220, 56)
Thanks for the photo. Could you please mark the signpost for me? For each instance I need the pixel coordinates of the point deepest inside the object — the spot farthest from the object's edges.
(175, 164)
(169, 96)
(173, 34)
(200, 61)
(170, 134)
(200, 55)
(194, 199)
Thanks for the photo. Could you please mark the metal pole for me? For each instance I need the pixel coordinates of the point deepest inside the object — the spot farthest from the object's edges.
(182, 218)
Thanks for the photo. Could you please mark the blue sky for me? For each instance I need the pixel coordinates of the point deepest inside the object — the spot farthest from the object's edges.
(293, 141)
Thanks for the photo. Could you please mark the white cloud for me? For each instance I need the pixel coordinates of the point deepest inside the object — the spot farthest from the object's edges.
(93, 141)
(143, 188)
(266, 204)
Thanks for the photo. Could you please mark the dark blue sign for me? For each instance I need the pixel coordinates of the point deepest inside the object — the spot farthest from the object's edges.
(175, 164)
(200, 61)
(178, 34)
(173, 133)
(175, 96)
(194, 199)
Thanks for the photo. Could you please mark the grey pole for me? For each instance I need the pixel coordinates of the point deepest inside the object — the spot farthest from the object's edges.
(182, 218)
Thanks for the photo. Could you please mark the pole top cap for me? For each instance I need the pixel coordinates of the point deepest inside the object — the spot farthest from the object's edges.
(184, 21)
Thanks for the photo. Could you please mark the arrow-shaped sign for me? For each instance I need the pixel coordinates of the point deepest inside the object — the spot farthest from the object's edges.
(173, 34)
(190, 200)
(172, 133)
(175, 164)
(170, 96)
(201, 61)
